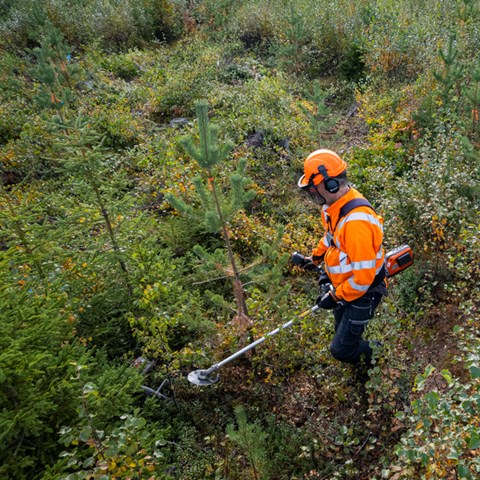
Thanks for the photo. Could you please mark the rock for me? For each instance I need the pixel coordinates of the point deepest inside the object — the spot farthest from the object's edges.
(255, 140)
(178, 122)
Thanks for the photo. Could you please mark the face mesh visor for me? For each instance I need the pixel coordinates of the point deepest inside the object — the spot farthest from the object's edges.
(311, 192)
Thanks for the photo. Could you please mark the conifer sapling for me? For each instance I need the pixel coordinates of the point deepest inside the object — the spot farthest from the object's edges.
(217, 208)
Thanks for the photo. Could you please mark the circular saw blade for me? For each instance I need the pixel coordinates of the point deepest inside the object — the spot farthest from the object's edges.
(203, 378)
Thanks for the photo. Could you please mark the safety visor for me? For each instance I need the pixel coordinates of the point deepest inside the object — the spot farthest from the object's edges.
(306, 184)
(310, 191)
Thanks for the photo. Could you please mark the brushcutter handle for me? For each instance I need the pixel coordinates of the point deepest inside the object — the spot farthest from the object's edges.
(304, 262)
(326, 287)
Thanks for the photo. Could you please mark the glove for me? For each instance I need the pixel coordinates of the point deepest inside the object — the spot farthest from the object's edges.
(327, 301)
(303, 262)
(323, 278)
(309, 265)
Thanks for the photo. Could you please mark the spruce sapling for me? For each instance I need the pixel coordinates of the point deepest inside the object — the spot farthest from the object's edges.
(82, 158)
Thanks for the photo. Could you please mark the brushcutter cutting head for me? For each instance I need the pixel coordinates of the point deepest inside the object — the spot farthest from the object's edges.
(203, 377)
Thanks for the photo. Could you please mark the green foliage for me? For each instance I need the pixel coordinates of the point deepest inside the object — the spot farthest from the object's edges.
(209, 153)
(120, 451)
(472, 94)
(429, 209)
(128, 450)
(444, 432)
(319, 113)
(38, 359)
(252, 440)
(293, 52)
(452, 72)
(14, 109)
(168, 316)
(80, 153)
(121, 65)
(254, 26)
(55, 72)
(20, 216)
(37, 346)
(96, 267)
(352, 67)
(263, 104)
(109, 23)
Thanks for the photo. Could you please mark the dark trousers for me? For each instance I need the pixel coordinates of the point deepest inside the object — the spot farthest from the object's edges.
(350, 322)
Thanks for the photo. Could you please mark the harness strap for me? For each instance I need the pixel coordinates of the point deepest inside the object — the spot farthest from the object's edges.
(345, 210)
(352, 204)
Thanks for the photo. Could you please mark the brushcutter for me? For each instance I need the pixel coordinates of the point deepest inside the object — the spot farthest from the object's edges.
(211, 376)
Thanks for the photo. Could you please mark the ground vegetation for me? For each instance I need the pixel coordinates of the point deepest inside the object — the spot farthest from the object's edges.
(149, 154)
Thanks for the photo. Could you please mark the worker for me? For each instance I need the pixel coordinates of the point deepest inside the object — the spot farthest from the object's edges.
(352, 252)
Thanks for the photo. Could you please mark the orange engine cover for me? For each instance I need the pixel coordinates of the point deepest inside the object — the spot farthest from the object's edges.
(398, 259)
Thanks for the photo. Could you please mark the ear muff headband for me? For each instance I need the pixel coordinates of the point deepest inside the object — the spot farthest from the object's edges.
(332, 185)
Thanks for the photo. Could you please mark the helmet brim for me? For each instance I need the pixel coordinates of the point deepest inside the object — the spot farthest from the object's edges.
(302, 182)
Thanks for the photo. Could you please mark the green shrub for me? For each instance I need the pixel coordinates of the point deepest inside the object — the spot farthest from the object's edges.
(187, 76)
(434, 200)
(252, 441)
(443, 431)
(112, 24)
(352, 67)
(38, 357)
(130, 449)
(121, 65)
(15, 108)
(37, 398)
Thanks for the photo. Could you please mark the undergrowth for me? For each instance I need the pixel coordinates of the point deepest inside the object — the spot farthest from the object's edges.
(110, 287)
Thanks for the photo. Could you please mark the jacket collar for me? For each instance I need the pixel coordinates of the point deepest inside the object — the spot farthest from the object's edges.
(334, 210)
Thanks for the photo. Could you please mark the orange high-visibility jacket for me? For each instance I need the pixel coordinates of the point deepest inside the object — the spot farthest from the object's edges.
(352, 247)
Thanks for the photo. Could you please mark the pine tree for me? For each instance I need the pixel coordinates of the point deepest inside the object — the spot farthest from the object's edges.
(216, 211)
(472, 94)
(452, 72)
(54, 70)
(296, 35)
(252, 439)
(448, 79)
(320, 115)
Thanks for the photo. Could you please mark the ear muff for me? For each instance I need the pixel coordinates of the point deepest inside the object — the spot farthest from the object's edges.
(332, 185)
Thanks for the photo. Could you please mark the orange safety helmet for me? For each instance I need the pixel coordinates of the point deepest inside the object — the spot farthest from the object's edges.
(327, 159)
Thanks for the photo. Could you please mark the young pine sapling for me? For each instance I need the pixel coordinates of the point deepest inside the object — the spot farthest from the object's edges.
(217, 209)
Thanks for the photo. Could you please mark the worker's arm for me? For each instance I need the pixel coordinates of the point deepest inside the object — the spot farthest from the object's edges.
(319, 251)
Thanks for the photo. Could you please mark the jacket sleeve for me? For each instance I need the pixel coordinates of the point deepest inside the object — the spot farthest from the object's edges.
(362, 242)
(319, 251)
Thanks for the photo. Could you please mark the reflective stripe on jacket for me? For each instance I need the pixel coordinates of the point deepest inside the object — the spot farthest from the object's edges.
(352, 247)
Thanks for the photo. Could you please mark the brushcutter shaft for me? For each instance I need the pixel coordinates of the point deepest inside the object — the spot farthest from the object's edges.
(257, 342)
